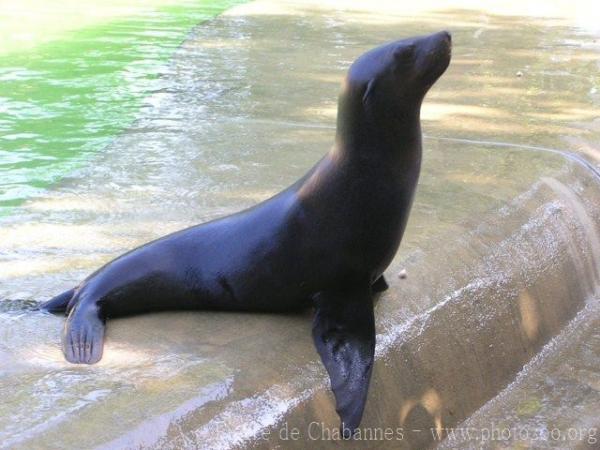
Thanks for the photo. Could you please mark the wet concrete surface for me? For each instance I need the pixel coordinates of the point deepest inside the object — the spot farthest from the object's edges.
(553, 403)
(500, 252)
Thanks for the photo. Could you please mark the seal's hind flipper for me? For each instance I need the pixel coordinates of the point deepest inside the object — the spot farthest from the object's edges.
(344, 334)
(83, 336)
(59, 303)
(379, 285)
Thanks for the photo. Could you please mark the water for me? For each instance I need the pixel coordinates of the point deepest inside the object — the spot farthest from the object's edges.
(245, 107)
(65, 94)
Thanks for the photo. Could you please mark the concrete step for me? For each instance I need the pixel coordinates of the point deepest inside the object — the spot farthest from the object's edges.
(554, 402)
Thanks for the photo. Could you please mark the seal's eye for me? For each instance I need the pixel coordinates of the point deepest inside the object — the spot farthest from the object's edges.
(405, 54)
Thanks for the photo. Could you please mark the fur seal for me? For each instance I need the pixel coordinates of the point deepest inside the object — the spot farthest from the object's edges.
(324, 241)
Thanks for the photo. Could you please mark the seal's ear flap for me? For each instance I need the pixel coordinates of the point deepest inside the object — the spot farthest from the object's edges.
(344, 334)
(368, 91)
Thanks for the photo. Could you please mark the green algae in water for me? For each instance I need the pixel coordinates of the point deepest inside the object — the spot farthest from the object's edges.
(63, 100)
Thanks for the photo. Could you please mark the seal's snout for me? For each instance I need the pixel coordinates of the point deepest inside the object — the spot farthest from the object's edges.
(448, 40)
(434, 57)
(443, 39)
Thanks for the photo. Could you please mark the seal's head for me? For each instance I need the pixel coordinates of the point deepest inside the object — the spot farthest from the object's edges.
(389, 82)
(404, 69)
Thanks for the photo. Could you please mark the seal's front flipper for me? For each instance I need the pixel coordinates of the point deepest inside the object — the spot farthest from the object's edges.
(379, 285)
(83, 336)
(344, 334)
(59, 303)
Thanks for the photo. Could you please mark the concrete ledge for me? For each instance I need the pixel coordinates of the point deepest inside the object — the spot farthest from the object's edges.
(552, 403)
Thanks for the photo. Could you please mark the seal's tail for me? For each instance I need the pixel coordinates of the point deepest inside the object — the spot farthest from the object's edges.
(59, 303)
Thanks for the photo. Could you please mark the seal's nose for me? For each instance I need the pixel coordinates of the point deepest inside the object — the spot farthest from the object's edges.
(446, 38)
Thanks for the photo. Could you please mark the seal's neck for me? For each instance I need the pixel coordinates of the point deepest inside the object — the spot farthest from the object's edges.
(393, 136)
